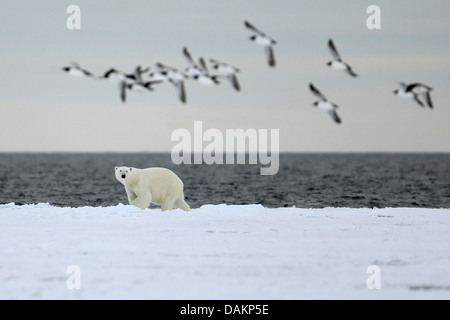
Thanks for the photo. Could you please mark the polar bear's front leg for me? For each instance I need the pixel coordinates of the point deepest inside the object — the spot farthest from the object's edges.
(142, 201)
(130, 194)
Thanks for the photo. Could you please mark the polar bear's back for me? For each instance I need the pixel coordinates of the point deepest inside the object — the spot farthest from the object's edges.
(158, 173)
(161, 180)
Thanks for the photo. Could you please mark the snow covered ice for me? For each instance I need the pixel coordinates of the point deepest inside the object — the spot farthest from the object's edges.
(223, 252)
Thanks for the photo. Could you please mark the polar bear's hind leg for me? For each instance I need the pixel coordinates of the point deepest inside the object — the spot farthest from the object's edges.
(167, 205)
(181, 204)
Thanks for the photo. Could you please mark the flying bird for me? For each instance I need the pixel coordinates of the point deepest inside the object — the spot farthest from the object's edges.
(117, 76)
(194, 69)
(205, 78)
(415, 91)
(174, 76)
(264, 40)
(76, 71)
(158, 74)
(337, 62)
(138, 72)
(120, 78)
(324, 104)
(129, 81)
(136, 87)
(228, 70)
(199, 71)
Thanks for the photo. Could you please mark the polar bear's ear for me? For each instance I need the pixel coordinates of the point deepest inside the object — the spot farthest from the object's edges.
(131, 168)
(115, 169)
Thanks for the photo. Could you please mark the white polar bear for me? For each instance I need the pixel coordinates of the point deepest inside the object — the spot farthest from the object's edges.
(152, 185)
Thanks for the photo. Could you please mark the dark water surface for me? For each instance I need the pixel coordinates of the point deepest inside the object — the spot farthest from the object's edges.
(303, 180)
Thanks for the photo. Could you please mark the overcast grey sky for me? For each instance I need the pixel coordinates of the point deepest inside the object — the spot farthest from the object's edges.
(43, 109)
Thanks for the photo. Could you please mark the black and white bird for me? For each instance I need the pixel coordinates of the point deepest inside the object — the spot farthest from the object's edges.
(228, 70)
(136, 87)
(205, 78)
(138, 72)
(199, 71)
(76, 71)
(263, 40)
(129, 81)
(120, 78)
(324, 104)
(117, 76)
(193, 70)
(174, 76)
(337, 62)
(158, 74)
(415, 91)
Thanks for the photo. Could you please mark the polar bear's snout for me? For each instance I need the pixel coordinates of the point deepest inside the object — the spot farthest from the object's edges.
(123, 176)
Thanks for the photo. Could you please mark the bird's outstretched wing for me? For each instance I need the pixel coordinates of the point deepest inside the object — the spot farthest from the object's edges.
(335, 116)
(253, 28)
(203, 65)
(428, 99)
(234, 82)
(138, 72)
(181, 91)
(416, 98)
(149, 84)
(333, 50)
(188, 57)
(410, 87)
(316, 92)
(350, 71)
(270, 56)
(123, 90)
(256, 30)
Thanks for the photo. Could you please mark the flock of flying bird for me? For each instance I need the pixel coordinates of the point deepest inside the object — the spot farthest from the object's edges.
(415, 91)
(199, 72)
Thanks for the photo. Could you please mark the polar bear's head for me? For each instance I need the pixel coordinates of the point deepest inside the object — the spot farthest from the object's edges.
(123, 174)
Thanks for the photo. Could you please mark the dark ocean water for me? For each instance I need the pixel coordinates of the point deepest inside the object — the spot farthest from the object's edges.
(303, 180)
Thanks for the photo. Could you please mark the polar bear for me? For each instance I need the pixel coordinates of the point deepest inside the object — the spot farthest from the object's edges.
(156, 185)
